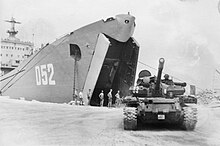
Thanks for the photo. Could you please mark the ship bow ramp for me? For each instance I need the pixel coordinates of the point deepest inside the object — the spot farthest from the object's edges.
(100, 56)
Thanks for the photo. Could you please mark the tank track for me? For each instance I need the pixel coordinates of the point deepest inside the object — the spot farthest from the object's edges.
(130, 118)
(189, 118)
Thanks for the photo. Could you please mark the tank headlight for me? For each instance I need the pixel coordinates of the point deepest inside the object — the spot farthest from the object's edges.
(165, 91)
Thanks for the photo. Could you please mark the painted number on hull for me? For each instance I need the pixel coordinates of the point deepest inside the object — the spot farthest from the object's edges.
(44, 74)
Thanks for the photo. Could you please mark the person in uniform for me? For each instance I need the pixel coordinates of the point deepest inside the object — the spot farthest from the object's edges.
(166, 80)
(117, 99)
(110, 98)
(80, 98)
(101, 96)
(89, 96)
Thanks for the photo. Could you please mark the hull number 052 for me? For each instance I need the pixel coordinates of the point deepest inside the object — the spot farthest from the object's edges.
(44, 74)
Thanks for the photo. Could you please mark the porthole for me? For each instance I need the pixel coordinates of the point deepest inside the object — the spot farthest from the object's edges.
(126, 21)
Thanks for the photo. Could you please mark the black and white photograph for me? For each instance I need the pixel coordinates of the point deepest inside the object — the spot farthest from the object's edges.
(110, 73)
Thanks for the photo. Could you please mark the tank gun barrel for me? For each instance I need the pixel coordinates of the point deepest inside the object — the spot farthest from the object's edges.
(160, 69)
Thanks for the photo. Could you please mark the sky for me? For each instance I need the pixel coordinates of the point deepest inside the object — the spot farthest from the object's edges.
(185, 32)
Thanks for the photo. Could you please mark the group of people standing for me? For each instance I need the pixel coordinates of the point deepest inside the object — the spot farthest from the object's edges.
(78, 98)
(109, 95)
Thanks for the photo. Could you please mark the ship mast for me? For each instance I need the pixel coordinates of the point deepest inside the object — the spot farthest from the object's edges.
(12, 31)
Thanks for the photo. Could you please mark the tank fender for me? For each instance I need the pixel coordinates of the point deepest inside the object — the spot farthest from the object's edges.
(193, 105)
(190, 99)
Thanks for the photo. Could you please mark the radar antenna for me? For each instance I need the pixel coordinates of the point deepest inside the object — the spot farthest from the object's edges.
(12, 31)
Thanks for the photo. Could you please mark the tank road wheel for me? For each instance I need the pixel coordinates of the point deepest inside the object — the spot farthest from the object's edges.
(130, 118)
(189, 119)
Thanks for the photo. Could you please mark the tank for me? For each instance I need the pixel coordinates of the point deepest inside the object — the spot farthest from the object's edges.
(156, 100)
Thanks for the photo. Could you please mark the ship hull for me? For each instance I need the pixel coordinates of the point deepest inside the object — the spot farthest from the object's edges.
(99, 56)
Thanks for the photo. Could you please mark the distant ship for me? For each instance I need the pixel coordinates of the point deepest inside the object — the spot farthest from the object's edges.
(100, 56)
(13, 50)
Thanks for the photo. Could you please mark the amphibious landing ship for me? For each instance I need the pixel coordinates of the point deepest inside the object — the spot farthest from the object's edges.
(100, 56)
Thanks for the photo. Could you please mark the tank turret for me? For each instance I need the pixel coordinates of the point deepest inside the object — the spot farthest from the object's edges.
(148, 85)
